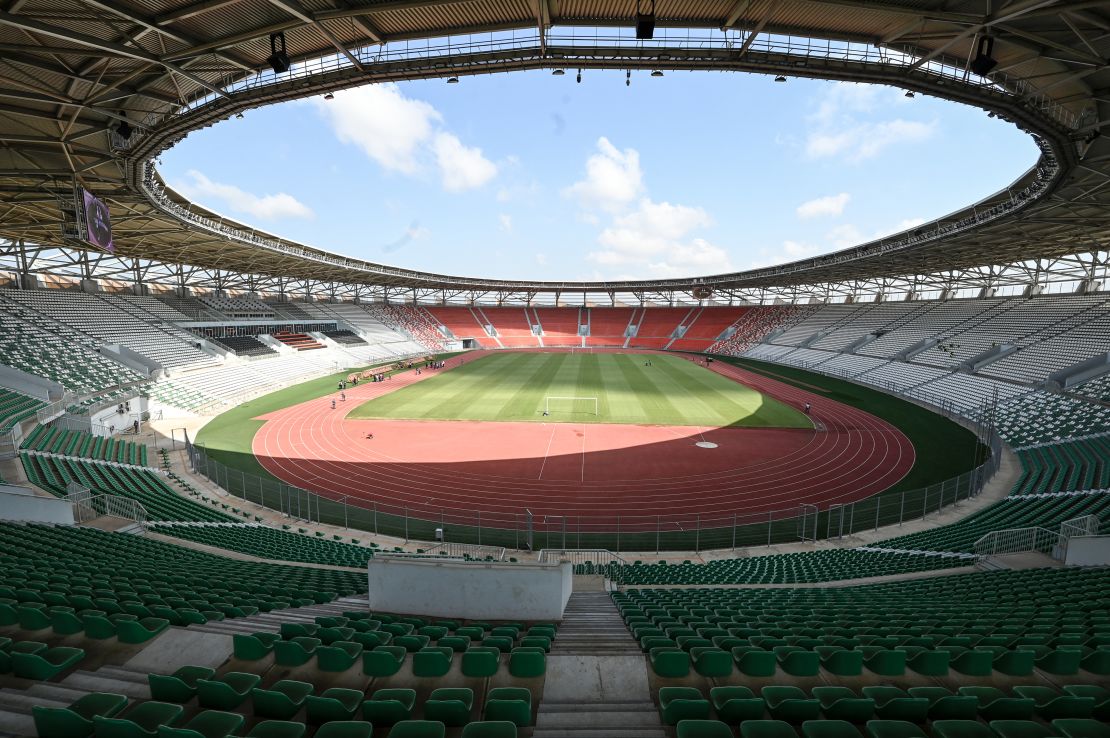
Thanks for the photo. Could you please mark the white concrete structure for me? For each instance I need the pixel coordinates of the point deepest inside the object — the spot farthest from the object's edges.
(474, 590)
(20, 503)
(1088, 551)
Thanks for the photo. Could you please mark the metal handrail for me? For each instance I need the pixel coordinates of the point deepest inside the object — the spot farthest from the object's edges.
(1018, 540)
(86, 508)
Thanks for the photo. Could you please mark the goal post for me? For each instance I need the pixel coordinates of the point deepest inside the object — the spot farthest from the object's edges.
(573, 405)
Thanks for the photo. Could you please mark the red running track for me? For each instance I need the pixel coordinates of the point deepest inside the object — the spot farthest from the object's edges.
(594, 471)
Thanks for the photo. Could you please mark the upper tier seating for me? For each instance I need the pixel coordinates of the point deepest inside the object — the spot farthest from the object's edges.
(298, 341)
(115, 319)
(655, 327)
(417, 321)
(243, 345)
(37, 344)
(512, 325)
(15, 408)
(51, 439)
(346, 337)
(239, 307)
(87, 566)
(560, 325)
(190, 307)
(608, 326)
(1097, 388)
(463, 322)
(705, 325)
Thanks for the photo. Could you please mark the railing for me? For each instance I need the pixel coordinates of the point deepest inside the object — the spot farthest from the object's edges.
(1019, 540)
(1088, 525)
(467, 550)
(587, 561)
(88, 507)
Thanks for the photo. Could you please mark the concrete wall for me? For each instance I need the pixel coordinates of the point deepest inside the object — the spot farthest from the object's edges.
(1088, 551)
(31, 385)
(20, 503)
(470, 590)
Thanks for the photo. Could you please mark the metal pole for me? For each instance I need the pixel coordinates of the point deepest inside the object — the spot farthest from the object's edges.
(618, 532)
(375, 507)
(852, 519)
(479, 527)
(406, 524)
(345, 512)
(902, 509)
(878, 504)
(769, 521)
(697, 535)
(658, 522)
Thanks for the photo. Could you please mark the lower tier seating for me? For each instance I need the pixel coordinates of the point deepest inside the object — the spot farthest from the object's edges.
(54, 440)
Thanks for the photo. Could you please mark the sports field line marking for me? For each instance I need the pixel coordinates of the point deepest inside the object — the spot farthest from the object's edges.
(550, 440)
(583, 477)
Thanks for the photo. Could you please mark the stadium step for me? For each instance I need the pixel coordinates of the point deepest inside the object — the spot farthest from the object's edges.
(272, 620)
(598, 720)
(98, 681)
(592, 626)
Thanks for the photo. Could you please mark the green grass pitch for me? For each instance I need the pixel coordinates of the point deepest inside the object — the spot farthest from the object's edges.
(513, 387)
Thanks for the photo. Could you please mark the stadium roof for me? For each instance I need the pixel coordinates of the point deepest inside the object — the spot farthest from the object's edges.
(73, 71)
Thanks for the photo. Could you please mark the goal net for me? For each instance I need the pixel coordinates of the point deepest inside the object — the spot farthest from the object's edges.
(569, 405)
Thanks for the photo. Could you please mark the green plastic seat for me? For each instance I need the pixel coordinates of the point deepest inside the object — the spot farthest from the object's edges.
(418, 729)
(994, 704)
(841, 661)
(696, 728)
(829, 729)
(682, 703)
(670, 663)
(1081, 728)
(289, 631)
(432, 661)
(1020, 729)
(277, 729)
(76, 720)
(734, 705)
(339, 656)
(711, 661)
(1060, 661)
(790, 703)
(885, 661)
(226, 692)
(388, 706)
(1051, 705)
(511, 704)
(383, 661)
(254, 646)
(1015, 663)
(207, 724)
(960, 729)
(526, 663)
(345, 729)
(295, 652)
(45, 664)
(449, 705)
(798, 662)
(140, 631)
(481, 661)
(179, 687)
(943, 705)
(1100, 695)
(282, 700)
(766, 729)
(335, 704)
(490, 729)
(895, 705)
(841, 703)
(893, 729)
(142, 721)
(754, 662)
(928, 663)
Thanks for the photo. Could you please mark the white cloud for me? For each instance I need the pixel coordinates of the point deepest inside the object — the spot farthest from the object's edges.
(843, 236)
(859, 141)
(267, 207)
(613, 178)
(837, 128)
(541, 259)
(828, 205)
(506, 222)
(656, 237)
(404, 135)
(461, 167)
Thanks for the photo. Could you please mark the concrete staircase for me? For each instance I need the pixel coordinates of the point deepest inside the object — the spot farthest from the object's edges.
(596, 684)
(267, 621)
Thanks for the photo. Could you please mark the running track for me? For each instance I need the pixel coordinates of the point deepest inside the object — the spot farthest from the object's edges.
(594, 471)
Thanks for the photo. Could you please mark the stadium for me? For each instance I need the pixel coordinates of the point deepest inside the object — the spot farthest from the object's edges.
(251, 486)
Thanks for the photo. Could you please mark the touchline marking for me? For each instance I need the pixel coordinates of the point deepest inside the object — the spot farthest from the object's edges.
(550, 439)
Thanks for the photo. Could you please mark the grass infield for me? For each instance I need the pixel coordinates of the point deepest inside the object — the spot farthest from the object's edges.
(671, 390)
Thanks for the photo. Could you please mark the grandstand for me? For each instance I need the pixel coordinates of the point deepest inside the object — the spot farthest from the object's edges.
(157, 582)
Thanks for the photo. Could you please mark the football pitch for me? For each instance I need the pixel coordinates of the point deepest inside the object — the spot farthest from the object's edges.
(584, 388)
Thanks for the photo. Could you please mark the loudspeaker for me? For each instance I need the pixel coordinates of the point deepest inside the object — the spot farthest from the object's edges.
(278, 58)
(645, 26)
(983, 62)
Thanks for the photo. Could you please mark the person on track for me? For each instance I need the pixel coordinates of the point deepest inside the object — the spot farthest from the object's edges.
(343, 396)
(333, 403)
(807, 408)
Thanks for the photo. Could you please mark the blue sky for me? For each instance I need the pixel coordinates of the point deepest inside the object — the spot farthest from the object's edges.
(534, 176)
